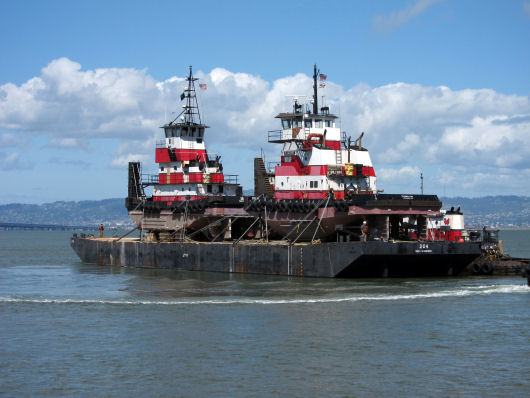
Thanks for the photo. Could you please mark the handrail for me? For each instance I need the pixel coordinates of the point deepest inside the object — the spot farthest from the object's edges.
(153, 179)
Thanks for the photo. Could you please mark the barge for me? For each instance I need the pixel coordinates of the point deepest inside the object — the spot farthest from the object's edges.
(326, 259)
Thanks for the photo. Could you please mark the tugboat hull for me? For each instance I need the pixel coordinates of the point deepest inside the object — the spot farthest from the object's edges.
(328, 260)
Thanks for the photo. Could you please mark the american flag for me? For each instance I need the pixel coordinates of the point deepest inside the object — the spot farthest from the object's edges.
(323, 76)
(202, 86)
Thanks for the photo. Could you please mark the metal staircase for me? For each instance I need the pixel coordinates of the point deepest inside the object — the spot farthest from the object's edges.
(262, 183)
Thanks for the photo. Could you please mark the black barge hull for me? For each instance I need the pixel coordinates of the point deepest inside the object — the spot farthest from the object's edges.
(329, 260)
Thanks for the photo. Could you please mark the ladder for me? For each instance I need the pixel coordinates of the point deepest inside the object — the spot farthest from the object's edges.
(338, 156)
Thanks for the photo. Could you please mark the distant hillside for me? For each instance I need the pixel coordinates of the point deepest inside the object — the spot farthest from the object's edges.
(87, 212)
(500, 211)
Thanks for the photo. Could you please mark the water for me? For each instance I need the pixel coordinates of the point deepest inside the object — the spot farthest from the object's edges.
(69, 329)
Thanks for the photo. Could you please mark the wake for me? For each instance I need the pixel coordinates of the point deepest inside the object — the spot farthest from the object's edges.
(231, 300)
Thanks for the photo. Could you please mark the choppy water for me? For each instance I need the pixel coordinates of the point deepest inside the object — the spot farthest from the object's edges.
(69, 329)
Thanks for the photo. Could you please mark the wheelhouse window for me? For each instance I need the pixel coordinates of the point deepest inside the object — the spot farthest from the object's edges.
(318, 123)
(297, 123)
(329, 123)
(308, 123)
(172, 132)
(286, 123)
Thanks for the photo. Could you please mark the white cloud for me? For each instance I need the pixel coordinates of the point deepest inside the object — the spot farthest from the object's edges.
(526, 8)
(407, 147)
(123, 160)
(68, 143)
(397, 18)
(399, 175)
(408, 127)
(65, 101)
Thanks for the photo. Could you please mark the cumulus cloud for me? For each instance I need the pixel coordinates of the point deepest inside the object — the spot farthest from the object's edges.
(134, 151)
(397, 18)
(407, 126)
(399, 175)
(68, 102)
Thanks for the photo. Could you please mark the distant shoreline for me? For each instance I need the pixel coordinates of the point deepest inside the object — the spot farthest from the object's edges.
(24, 226)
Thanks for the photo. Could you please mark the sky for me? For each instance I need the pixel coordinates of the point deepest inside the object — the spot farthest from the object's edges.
(439, 87)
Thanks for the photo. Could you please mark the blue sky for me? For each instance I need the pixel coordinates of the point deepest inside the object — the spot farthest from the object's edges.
(439, 87)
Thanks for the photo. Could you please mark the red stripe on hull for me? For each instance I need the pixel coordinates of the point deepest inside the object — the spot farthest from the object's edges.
(162, 155)
(178, 178)
(195, 177)
(176, 198)
(278, 195)
(335, 145)
(339, 195)
(368, 172)
(174, 178)
(190, 154)
(289, 169)
(217, 178)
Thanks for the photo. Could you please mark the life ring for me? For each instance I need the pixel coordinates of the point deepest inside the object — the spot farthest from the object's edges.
(312, 135)
(309, 141)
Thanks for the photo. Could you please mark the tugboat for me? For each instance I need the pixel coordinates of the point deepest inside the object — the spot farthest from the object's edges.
(325, 187)
(190, 189)
(317, 213)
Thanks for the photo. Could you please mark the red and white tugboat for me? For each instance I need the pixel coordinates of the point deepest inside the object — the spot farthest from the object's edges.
(325, 186)
(190, 191)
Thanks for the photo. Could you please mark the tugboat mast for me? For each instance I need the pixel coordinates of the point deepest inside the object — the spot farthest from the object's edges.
(315, 92)
(192, 107)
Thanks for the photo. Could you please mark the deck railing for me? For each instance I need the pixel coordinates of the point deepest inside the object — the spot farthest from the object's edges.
(153, 179)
